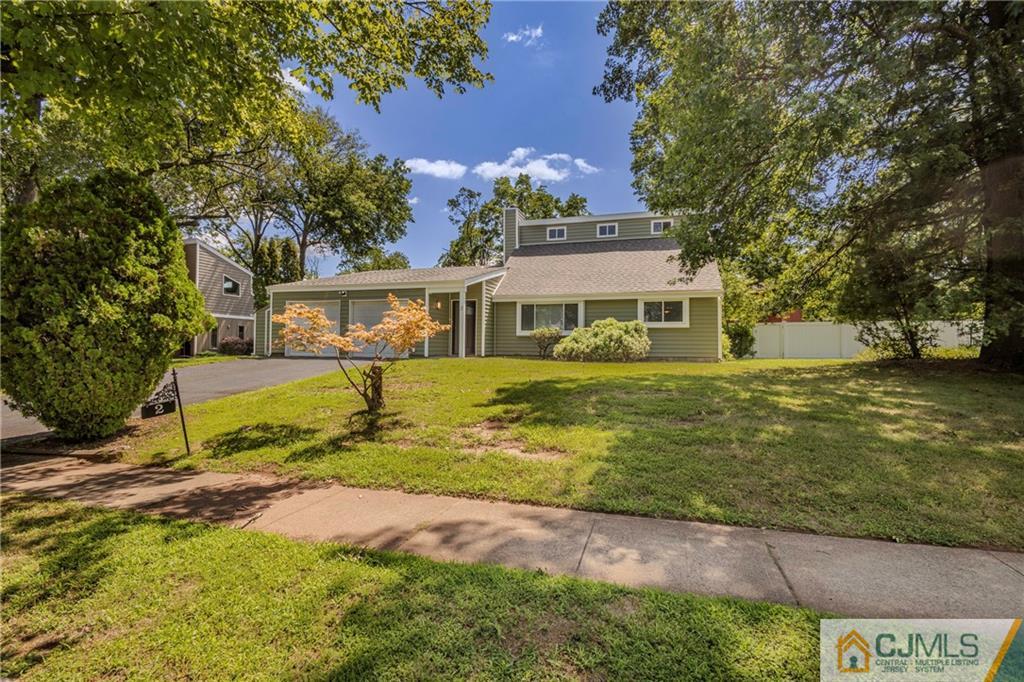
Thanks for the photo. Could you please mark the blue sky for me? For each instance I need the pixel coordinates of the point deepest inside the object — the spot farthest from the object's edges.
(545, 59)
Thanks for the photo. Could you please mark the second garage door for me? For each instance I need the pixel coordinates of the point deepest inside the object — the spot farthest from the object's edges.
(369, 313)
(333, 313)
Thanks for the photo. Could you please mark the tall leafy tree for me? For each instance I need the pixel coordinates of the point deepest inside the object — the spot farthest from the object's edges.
(164, 84)
(340, 199)
(793, 134)
(479, 222)
(290, 271)
(276, 262)
(376, 259)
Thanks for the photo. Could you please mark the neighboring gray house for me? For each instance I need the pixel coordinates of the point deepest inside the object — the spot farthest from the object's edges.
(227, 289)
(565, 272)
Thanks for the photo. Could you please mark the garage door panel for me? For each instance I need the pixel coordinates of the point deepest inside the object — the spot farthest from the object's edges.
(333, 313)
(369, 313)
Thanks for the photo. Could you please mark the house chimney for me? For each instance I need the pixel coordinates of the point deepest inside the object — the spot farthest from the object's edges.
(513, 216)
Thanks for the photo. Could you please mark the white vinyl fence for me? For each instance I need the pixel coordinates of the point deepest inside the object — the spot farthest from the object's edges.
(833, 340)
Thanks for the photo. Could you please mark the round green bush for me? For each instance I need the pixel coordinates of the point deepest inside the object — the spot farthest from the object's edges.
(606, 341)
(96, 299)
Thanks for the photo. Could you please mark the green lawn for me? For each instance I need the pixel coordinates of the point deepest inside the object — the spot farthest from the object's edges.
(91, 594)
(178, 363)
(931, 453)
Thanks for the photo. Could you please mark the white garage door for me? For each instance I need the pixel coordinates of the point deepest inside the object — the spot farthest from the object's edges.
(333, 313)
(369, 313)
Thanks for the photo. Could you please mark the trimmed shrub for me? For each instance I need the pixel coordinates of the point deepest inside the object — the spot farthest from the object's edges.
(740, 338)
(727, 348)
(232, 345)
(907, 339)
(96, 300)
(606, 341)
(546, 338)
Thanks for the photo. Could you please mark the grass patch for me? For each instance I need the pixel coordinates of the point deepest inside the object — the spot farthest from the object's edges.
(178, 363)
(91, 594)
(930, 452)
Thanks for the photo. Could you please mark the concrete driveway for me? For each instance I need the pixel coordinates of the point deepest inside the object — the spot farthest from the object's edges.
(200, 383)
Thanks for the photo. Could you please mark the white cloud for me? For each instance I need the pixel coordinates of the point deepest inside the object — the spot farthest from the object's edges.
(527, 35)
(449, 170)
(293, 82)
(413, 201)
(545, 168)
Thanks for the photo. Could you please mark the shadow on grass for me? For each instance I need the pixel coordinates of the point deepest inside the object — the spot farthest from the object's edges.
(362, 427)
(383, 615)
(461, 622)
(255, 437)
(74, 548)
(874, 450)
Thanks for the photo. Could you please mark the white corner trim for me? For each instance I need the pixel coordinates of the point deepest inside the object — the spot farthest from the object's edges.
(580, 311)
(664, 325)
(270, 325)
(426, 337)
(719, 299)
(612, 235)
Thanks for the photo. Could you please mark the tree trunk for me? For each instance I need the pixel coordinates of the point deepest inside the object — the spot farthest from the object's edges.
(28, 184)
(303, 245)
(375, 397)
(1003, 221)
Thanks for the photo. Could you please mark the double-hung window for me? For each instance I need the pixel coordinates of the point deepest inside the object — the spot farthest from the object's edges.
(607, 230)
(659, 226)
(556, 234)
(563, 316)
(666, 313)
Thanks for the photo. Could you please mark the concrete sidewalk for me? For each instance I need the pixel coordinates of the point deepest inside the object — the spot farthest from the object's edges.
(852, 577)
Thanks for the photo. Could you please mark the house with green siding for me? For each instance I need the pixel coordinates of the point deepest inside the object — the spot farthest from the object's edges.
(561, 272)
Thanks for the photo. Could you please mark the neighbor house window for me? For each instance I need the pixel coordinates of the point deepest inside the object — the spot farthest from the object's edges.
(564, 316)
(608, 230)
(231, 287)
(213, 337)
(659, 226)
(241, 331)
(664, 313)
(556, 234)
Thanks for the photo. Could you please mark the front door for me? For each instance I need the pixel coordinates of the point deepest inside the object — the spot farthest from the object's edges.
(470, 327)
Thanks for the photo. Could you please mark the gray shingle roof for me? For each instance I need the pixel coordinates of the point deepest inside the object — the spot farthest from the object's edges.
(609, 267)
(386, 277)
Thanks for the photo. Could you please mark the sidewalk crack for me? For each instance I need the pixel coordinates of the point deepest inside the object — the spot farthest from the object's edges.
(785, 578)
(585, 545)
(1009, 566)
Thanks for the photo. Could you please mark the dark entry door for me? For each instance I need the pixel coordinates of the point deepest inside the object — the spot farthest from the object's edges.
(470, 320)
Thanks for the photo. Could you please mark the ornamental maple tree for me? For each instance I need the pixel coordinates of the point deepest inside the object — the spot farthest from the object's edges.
(401, 328)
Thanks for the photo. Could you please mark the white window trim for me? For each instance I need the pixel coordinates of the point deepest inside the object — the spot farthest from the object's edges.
(597, 231)
(580, 310)
(664, 325)
(565, 233)
(668, 223)
(227, 293)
